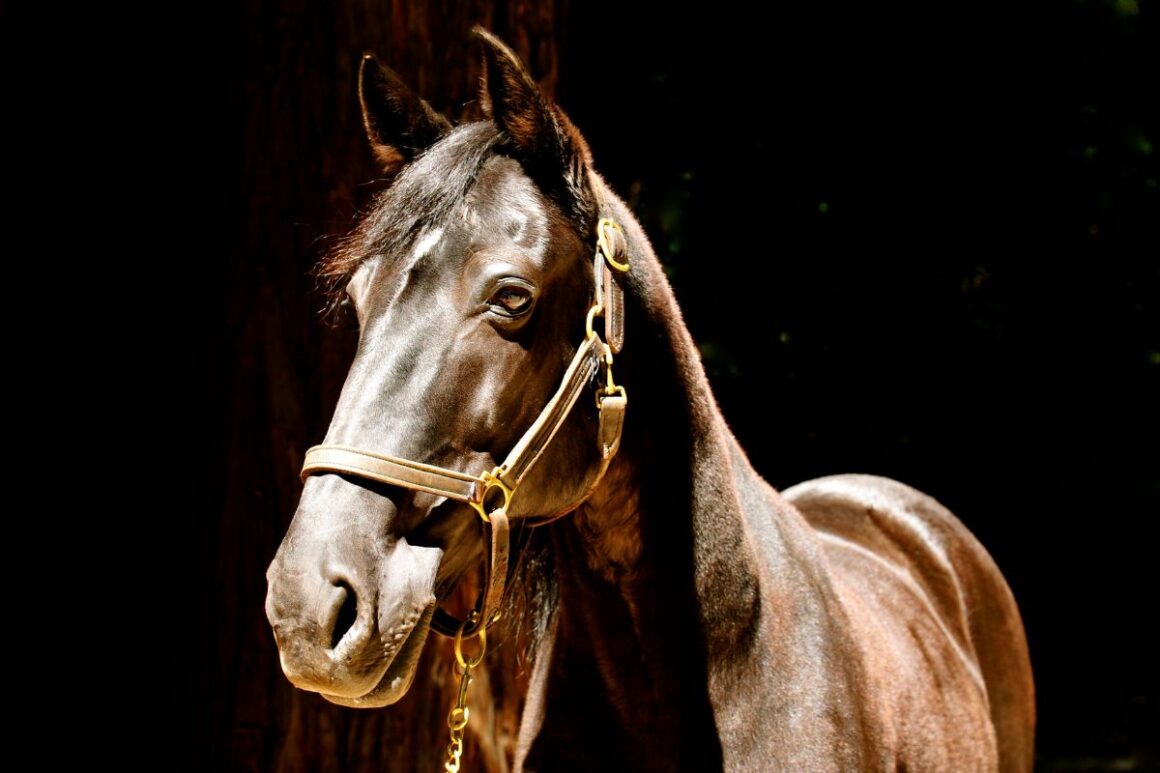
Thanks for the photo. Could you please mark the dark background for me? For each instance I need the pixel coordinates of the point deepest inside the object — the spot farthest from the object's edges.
(913, 240)
(921, 241)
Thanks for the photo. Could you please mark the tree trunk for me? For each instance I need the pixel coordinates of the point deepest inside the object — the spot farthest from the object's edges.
(303, 164)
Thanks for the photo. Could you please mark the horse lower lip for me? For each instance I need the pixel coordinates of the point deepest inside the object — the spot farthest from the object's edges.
(402, 656)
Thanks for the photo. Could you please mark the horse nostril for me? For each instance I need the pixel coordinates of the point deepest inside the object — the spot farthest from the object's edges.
(347, 613)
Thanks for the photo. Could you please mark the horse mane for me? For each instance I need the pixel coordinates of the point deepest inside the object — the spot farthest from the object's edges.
(533, 593)
(424, 194)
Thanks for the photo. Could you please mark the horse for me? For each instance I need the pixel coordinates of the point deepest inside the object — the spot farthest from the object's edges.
(692, 617)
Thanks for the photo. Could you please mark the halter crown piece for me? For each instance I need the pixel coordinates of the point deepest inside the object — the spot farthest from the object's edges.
(490, 493)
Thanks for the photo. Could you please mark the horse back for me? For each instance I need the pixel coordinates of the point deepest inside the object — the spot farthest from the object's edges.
(934, 614)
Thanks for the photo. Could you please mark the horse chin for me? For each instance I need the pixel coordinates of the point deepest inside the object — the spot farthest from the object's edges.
(399, 673)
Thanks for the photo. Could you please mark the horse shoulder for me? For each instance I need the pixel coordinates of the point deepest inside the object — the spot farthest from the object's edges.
(902, 527)
(925, 600)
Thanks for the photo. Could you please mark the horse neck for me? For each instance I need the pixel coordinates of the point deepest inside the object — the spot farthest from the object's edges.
(660, 572)
(669, 514)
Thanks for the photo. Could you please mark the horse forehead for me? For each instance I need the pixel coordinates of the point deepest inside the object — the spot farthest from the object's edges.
(505, 205)
(504, 208)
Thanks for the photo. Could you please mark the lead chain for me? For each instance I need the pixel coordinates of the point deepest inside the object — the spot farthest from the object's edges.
(457, 719)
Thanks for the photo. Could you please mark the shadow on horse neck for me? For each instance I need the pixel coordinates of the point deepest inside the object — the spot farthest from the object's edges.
(636, 563)
(689, 616)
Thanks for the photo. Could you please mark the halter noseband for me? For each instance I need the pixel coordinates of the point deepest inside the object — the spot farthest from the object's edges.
(609, 266)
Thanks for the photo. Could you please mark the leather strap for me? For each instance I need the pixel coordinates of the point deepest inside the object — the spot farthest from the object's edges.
(452, 484)
(495, 577)
(392, 470)
(529, 448)
(613, 310)
(612, 408)
(488, 607)
(611, 265)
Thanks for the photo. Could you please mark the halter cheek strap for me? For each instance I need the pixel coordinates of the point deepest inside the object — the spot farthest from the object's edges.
(610, 263)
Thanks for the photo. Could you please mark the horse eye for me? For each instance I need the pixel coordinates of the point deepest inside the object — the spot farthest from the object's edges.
(511, 300)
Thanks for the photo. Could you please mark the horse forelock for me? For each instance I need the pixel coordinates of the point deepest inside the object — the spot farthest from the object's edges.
(424, 195)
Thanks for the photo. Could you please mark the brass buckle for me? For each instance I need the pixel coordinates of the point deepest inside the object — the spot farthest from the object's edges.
(492, 480)
(611, 387)
(609, 392)
(603, 245)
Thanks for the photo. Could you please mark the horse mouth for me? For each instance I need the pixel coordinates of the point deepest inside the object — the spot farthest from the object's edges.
(400, 660)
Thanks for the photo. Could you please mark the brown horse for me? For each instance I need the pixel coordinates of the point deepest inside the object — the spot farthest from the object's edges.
(689, 616)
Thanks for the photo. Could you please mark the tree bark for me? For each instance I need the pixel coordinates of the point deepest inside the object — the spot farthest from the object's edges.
(304, 162)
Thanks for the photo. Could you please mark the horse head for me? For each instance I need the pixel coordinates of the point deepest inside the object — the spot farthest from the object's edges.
(470, 276)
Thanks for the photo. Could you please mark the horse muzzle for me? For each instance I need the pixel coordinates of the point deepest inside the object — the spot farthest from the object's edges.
(350, 607)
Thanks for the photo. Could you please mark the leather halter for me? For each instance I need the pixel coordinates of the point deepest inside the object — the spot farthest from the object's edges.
(609, 266)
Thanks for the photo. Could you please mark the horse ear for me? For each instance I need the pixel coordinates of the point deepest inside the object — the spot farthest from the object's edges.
(547, 142)
(399, 124)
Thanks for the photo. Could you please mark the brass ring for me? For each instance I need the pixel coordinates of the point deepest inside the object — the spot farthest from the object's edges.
(470, 663)
(602, 243)
(492, 480)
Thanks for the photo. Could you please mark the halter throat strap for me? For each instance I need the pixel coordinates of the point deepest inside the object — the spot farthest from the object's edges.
(593, 354)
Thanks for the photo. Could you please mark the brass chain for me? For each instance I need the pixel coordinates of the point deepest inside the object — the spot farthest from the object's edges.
(457, 719)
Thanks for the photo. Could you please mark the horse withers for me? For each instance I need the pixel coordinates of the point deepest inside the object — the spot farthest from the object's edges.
(690, 616)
